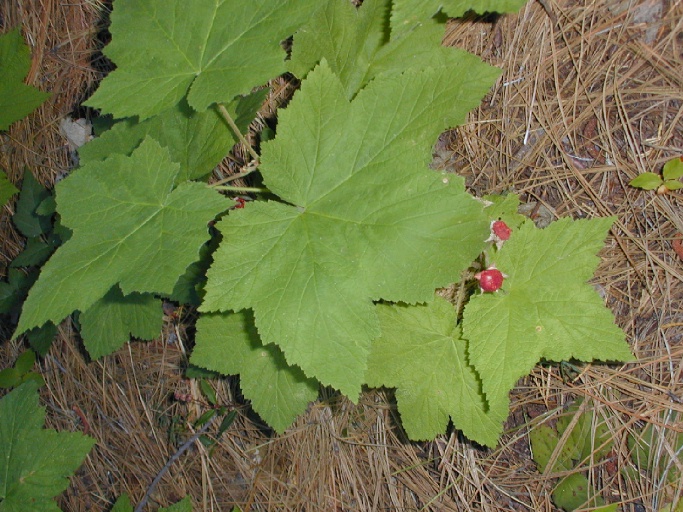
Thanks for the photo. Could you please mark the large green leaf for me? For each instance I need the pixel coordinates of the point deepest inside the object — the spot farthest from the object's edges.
(130, 226)
(17, 99)
(545, 310)
(409, 13)
(198, 141)
(367, 219)
(215, 50)
(112, 320)
(421, 353)
(355, 42)
(35, 464)
(229, 344)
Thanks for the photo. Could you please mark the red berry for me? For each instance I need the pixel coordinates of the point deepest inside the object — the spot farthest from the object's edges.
(501, 230)
(240, 202)
(490, 280)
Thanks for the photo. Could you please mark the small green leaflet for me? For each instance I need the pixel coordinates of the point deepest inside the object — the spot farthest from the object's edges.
(357, 48)
(546, 309)
(7, 189)
(421, 353)
(26, 218)
(409, 13)
(229, 344)
(646, 181)
(209, 51)
(130, 226)
(198, 141)
(111, 321)
(35, 463)
(673, 169)
(17, 99)
(366, 217)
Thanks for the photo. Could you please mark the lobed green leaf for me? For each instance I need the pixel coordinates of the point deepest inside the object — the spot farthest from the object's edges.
(198, 141)
(366, 217)
(546, 309)
(112, 320)
(208, 51)
(422, 354)
(130, 226)
(35, 464)
(409, 13)
(229, 344)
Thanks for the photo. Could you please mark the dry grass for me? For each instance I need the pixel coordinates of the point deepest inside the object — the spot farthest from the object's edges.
(583, 106)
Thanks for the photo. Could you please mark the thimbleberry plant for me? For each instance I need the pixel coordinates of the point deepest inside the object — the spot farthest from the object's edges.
(329, 275)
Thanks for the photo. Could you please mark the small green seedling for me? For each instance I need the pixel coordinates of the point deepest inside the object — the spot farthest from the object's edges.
(664, 183)
(21, 371)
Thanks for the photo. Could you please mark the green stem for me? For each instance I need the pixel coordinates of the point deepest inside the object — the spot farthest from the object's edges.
(235, 176)
(228, 118)
(240, 189)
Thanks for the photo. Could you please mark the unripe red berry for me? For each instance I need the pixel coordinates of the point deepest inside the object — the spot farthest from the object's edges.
(490, 280)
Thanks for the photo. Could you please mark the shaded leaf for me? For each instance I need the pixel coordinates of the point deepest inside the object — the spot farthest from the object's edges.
(111, 321)
(408, 13)
(25, 218)
(14, 290)
(40, 338)
(34, 253)
(7, 189)
(198, 141)
(228, 343)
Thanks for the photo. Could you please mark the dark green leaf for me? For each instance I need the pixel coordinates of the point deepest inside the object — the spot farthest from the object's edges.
(41, 338)
(35, 253)
(205, 417)
(228, 420)
(208, 391)
(25, 361)
(7, 189)
(25, 218)
(9, 378)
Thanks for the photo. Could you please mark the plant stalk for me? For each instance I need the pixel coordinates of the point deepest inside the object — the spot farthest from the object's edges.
(228, 118)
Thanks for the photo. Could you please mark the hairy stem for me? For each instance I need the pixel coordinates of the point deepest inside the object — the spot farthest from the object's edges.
(228, 119)
(229, 188)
